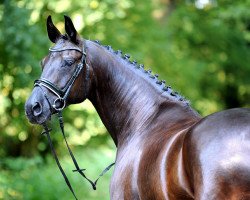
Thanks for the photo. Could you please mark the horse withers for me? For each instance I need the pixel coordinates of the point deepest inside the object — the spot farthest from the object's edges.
(165, 149)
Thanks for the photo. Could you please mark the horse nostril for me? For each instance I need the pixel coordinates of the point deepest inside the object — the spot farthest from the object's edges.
(37, 109)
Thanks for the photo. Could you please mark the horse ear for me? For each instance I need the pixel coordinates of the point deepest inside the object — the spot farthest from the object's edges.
(70, 29)
(53, 32)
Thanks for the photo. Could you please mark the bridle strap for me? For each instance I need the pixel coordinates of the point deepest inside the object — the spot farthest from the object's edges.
(47, 133)
(87, 77)
(70, 152)
(50, 86)
(78, 169)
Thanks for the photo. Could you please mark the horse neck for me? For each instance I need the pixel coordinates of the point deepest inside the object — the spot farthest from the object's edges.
(127, 101)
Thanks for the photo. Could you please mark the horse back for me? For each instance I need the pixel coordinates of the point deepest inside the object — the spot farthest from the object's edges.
(216, 155)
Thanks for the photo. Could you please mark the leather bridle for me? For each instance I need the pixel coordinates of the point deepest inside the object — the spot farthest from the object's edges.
(58, 106)
(62, 94)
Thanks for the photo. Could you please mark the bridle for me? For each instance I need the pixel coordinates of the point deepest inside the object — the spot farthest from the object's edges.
(62, 94)
(58, 106)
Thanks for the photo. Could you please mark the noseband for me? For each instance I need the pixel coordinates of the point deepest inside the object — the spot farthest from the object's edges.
(58, 105)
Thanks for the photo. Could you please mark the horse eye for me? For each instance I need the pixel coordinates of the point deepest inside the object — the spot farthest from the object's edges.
(68, 62)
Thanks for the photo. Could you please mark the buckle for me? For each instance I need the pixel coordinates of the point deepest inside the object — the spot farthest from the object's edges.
(78, 170)
(59, 104)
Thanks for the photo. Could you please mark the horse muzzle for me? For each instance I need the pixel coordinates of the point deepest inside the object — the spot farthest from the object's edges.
(37, 109)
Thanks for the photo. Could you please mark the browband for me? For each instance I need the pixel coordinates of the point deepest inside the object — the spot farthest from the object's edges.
(52, 49)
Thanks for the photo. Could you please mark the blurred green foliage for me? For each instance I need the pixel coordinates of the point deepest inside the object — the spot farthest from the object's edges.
(40, 179)
(200, 47)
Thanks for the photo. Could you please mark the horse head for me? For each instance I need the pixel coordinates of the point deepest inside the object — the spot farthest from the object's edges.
(64, 70)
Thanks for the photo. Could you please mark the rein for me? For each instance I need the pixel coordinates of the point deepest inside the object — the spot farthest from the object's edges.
(58, 105)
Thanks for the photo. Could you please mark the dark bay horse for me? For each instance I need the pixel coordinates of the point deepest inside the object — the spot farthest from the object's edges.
(165, 149)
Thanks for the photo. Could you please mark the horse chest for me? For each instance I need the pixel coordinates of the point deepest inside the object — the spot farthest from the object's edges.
(124, 179)
(132, 174)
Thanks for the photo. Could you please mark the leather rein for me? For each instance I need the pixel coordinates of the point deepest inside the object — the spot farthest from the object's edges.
(58, 106)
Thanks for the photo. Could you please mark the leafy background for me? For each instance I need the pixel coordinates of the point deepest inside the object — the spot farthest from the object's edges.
(201, 48)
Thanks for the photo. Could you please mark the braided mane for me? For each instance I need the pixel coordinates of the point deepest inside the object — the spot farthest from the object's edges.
(166, 89)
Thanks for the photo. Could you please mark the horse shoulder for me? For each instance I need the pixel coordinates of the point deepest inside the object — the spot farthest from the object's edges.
(160, 173)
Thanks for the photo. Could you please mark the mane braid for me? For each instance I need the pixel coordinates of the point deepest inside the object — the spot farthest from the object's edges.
(168, 89)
